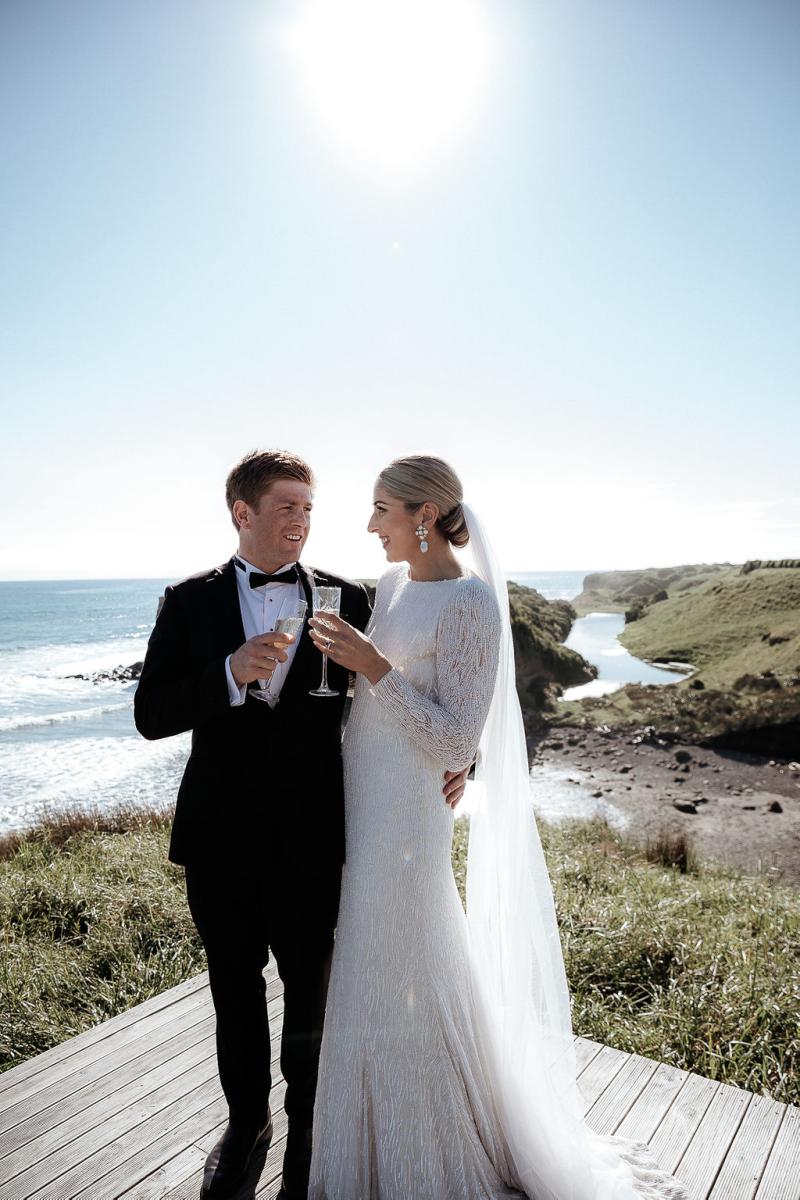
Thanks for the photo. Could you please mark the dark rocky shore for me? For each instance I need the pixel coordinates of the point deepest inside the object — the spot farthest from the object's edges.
(115, 675)
(735, 808)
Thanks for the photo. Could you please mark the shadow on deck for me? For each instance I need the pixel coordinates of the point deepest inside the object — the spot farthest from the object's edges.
(132, 1107)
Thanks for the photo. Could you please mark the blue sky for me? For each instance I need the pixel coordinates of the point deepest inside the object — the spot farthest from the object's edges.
(586, 297)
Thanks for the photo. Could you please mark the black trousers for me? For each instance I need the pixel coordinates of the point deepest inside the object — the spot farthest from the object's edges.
(242, 913)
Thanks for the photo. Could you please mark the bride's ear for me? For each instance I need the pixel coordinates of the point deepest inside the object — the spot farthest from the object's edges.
(429, 514)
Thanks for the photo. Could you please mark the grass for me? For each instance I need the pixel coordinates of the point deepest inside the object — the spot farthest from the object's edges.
(93, 920)
(695, 966)
(728, 627)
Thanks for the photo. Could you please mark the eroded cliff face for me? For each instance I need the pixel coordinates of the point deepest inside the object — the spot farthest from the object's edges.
(544, 665)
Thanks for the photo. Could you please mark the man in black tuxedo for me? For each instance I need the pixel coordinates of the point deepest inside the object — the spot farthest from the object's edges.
(259, 822)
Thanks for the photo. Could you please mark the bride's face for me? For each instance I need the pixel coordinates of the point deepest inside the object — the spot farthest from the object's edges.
(394, 525)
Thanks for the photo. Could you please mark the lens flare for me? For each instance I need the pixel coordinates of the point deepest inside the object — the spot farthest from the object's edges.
(393, 80)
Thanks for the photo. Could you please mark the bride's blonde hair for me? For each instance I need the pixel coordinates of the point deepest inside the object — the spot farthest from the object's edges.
(420, 477)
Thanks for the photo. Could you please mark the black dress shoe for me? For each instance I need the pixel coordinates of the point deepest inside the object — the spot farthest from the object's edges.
(296, 1164)
(283, 1194)
(228, 1163)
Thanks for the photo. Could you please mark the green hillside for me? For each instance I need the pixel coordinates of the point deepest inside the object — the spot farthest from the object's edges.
(731, 625)
(740, 628)
(622, 591)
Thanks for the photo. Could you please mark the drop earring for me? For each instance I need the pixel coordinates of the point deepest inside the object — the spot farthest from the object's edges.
(422, 534)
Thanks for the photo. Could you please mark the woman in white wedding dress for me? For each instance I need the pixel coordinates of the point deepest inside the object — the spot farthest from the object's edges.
(447, 1070)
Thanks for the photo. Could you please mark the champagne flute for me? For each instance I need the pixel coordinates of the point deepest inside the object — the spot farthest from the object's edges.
(289, 622)
(325, 599)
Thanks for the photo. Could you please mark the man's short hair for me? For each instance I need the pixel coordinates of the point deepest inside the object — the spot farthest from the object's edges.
(257, 471)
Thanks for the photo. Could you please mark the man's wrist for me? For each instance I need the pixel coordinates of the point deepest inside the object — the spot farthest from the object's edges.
(236, 690)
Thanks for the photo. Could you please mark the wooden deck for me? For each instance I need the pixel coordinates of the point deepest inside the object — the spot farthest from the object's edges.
(132, 1107)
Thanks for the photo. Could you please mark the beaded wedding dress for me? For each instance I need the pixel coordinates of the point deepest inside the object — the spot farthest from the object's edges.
(410, 1104)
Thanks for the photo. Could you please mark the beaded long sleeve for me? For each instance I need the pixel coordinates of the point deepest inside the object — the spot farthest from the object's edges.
(448, 723)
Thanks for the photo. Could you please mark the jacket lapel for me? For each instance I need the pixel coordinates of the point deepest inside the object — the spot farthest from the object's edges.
(226, 626)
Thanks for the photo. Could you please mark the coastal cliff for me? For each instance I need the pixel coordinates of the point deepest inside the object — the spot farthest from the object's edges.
(627, 591)
(544, 665)
(740, 630)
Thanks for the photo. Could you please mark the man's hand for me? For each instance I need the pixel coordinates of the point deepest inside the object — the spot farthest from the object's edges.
(259, 657)
(455, 783)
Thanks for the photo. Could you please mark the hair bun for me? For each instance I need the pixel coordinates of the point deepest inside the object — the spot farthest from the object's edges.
(454, 526)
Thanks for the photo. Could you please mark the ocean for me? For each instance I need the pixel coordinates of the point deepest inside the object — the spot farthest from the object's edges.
(66, 742)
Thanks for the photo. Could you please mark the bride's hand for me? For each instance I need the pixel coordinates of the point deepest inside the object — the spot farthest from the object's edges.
(348, 647)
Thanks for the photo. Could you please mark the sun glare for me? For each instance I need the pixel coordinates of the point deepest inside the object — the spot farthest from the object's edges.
(392, 79)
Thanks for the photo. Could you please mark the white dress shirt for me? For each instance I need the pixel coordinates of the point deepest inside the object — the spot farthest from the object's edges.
(260, 608)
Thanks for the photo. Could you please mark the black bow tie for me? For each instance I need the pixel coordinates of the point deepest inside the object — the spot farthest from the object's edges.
(258, 579)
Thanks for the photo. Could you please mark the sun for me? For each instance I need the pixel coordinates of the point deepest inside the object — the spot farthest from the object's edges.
(393, 80)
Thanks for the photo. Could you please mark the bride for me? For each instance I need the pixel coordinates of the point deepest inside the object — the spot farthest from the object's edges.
(447, 1069)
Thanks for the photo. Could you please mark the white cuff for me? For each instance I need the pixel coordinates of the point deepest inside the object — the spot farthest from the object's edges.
(236, 694)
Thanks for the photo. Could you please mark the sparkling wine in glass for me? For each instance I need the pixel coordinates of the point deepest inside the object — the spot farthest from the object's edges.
(290, 622)
(325, 600)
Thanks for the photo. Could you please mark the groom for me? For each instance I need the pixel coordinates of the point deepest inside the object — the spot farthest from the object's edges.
(259, 822)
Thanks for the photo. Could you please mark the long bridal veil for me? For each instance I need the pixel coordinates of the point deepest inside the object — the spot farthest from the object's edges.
(516, 949)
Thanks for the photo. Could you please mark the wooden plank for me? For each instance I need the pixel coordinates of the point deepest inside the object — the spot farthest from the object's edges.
(174, 1154)
(110, 1115)
(68, 1077)
(65, 1097)
(44, 1132)
(616, 1099)
(266, 1177)
(191, 1142)
(747, 1157)
(613, 1104)
(144, 1124)
(682, 1120)
(706, 1152)
(134, 1113)
(183, 1181)
(13, 1077)
(781, 1178)
(58, 1099)
(599, 1073)
(585, 1051)
(81, 1140)
(651, 1106)
(134, 1035)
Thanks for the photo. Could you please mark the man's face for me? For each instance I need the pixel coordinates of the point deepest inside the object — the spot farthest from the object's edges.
(275, 532)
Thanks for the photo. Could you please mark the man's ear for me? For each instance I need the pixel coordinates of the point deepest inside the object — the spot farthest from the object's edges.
(241, 513)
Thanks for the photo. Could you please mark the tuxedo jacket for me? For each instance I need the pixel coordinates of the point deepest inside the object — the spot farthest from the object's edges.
(261, 784)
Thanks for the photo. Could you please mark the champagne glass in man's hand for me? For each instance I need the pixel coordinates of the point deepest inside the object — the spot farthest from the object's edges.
(258, 657)
(290, 622)
(325, 600)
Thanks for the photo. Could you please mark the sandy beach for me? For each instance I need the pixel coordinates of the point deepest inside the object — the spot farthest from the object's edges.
(737, 809)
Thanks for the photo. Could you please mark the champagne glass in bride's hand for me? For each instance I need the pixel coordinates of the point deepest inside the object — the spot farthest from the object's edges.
(325, 600)
(289, 622)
